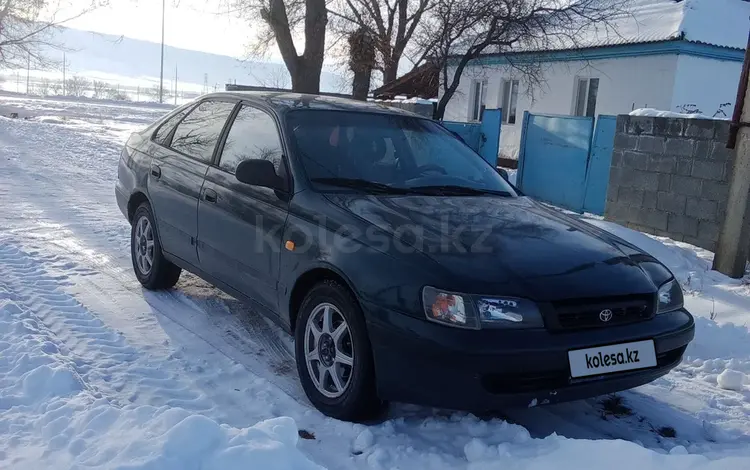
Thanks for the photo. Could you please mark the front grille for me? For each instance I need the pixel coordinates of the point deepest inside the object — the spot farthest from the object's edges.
(573, 315)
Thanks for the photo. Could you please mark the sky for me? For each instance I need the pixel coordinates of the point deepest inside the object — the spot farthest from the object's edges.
(190, 24)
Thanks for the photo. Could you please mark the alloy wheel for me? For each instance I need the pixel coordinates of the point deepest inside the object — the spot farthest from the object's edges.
(144, 245)
(329, 351)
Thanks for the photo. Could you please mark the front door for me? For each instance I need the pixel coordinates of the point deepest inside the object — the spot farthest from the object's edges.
(177, 170)
(240, 226)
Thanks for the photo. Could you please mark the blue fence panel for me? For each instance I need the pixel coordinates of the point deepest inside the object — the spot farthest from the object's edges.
(553, 158)
(489, 145)
(600, 161)
(471, 133)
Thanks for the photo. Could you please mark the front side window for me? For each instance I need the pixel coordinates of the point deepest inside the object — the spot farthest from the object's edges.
(253, 135)
(587, 90)
(510, 101)
(199, 132)
(392, 151)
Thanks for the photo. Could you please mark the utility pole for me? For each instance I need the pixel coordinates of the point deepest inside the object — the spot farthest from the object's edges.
(28, 71)
(732, 249)
(175, 85)
(64, 66)
(161, 75)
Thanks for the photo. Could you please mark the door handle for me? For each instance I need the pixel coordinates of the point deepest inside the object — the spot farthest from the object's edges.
(155, 171)
(210, 195)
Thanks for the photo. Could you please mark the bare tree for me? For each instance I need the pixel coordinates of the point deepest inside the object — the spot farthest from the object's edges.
(77, 86)
(281, 20)
(457, 32)
(26, 28)
(390, 23)
(100, 89)
(278, 77)
(153, 93)
(113, 93)
(43, 87)
(56, 88)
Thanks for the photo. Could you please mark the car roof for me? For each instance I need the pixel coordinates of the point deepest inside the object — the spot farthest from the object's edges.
(286, 101)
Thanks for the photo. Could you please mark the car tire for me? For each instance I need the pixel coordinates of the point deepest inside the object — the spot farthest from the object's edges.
(358, 401)
(152, 269)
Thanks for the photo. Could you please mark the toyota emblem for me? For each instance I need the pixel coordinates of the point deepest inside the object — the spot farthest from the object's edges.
(605, 315)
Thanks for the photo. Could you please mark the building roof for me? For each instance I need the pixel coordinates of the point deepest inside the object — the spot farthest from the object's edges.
(721, 23)
(421, 82)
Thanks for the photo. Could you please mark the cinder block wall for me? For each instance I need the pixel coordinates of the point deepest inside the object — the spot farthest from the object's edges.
(670, 176)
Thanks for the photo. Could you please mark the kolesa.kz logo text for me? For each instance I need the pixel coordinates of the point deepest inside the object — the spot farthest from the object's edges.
(606, 360)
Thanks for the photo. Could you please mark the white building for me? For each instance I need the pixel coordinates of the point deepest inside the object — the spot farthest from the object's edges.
(683, 56)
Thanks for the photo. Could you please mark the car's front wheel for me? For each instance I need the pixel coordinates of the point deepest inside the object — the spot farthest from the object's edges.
(151, 268)
(334, 357)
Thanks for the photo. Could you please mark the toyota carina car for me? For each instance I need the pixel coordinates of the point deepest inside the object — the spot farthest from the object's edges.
(406, 266)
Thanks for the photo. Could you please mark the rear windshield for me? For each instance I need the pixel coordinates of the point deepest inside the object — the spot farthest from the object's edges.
(398, 151)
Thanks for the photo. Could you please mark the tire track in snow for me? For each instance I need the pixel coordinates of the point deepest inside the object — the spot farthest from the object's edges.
(102, 357)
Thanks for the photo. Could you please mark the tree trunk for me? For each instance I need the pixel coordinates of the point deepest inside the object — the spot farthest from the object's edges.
(390, 69)
(306, 78)
(304, 69)
(442, 104)
(361, 84)
(361, 62)
(450, 90)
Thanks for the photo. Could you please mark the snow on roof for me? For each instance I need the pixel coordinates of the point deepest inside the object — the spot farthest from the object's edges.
(651, 112)
(723, 23)
(718, 22)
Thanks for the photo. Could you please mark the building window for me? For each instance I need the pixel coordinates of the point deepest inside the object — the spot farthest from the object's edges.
(510, 100)
(478, 89)
(586, 92)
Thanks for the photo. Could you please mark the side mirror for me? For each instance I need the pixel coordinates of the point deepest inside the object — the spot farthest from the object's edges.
(259, 172)
(503, 173)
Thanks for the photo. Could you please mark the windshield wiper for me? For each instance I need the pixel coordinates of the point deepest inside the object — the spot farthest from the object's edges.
(361, 184)
(454, 190)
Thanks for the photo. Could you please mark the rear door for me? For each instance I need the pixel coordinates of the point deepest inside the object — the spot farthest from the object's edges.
(179, 165)
(240, 226)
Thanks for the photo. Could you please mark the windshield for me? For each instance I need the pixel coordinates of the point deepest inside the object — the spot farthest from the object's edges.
(381, 151)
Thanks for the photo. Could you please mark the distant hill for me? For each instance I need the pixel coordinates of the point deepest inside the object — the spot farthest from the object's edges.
(117, 58)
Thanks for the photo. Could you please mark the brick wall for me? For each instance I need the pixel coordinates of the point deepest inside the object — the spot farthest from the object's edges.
(669, 177)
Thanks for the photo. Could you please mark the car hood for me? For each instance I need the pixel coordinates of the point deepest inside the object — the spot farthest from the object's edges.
(514, 246)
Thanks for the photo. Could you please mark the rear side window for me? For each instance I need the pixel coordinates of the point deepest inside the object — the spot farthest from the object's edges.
(161, 135)
(253, 135)
(199, 132)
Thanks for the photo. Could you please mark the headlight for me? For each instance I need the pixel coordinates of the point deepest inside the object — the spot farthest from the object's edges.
(670, 297)
(509, 312)
(449, 308)
(475, 312)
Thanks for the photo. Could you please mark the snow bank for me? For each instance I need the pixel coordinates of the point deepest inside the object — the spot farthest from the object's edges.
(651, 112)
(560, 453)
(731, 380)
(52, 419)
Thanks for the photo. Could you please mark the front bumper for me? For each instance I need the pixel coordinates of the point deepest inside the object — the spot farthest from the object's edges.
(417, 361)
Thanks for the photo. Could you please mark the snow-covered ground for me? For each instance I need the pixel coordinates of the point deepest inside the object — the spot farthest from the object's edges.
(95, 372)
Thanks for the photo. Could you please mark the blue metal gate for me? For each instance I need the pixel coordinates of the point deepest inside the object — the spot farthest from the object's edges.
(483, 137)
(552, 158)
(600, 161)
(564, 161)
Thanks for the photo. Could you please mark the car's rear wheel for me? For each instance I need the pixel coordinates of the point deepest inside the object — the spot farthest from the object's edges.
(151, 268)
(334, 356)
